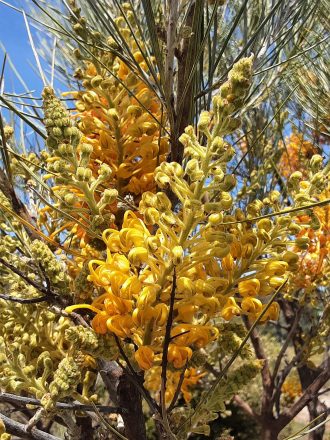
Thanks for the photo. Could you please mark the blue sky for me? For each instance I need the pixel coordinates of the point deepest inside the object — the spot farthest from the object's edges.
(13, 35)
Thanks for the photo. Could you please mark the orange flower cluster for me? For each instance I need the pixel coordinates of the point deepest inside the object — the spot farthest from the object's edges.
(296, 152)
(314, 258)
(291, 388)
(122, 122)
(191, 378)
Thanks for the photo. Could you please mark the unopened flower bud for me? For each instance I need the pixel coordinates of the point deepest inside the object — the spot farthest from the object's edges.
(96, 81)
(218, 145)
(215, 218)
(228, 183)
(177, 253)
(86, 148)
(296, 176)
(134, 110)
(70, 199)
(83, 174)
(105, 171)
(109, 196)
(57, 132)
(204, 121)
(265, 224)
(274, 196)
(226, 201)
(112, 113)
(302, 243)
(316, 162)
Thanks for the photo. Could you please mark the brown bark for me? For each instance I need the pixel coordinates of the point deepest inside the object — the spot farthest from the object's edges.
(183, 113)
(20, 430)
(129, 398)
(269, 430)
(125, 394)
(267, 383)
(86, 427)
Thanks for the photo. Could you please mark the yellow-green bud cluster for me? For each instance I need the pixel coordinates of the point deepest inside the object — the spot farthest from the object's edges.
(88, 341)
(27, 337)
(237, 379)
(83, 288)
(66, 378)
(230, 338)
(49, 263)
(58, 123)
(231, 96)
(303, 191)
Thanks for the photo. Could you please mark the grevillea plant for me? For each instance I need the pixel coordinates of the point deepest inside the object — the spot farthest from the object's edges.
(132, 291)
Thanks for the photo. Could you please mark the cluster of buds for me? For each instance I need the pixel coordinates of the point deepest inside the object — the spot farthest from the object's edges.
(51, 266)
(92, 343)
(33, 345)
(312, 225)
(66, 378)
(27, 339)
(77, 188)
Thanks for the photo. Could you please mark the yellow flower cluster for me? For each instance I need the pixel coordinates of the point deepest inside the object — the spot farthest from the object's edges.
(134, 304)
(291, 388)
(190, 260)
(312, 226)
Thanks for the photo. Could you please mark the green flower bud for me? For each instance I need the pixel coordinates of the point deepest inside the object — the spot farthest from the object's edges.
(105, 171)
(86, 148)
(274, 196)
(204, 121)
(228, 183)
(112, 113)
(96, 81)
(83, 174)
(66, 150)
(57, 132)
(70, 199)
(316, 162)
(302, 243)
(109, 196)
(226, 201)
